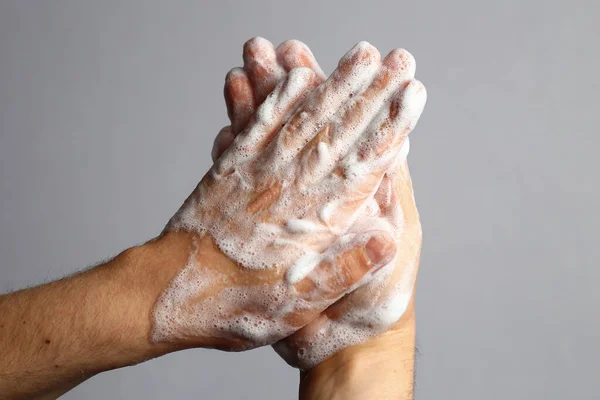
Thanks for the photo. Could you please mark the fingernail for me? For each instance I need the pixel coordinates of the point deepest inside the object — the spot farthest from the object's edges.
(380, 249)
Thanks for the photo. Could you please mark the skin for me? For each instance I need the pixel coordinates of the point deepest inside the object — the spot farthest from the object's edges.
(103, 318)
(382, 366)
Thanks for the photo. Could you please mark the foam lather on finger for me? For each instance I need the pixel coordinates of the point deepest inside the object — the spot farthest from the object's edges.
(276, 108)
(260, 63)
(382, 139)
(239, 98)
(293, 53)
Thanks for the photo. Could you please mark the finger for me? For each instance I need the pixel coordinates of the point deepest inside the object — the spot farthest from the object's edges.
(383, 142)
(335, 139)
(362, 169)
(223, 140)
(355, 70)
(338, 273)
(293, 53)
(239, 98)
(260, 63)
(267, 120)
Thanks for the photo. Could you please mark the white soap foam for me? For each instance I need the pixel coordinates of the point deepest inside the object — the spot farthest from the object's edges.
(303, 267)
(327, 211)
(302, 226)
(290, 52)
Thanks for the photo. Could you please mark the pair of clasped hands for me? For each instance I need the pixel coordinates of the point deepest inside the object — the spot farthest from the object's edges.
(304, 234)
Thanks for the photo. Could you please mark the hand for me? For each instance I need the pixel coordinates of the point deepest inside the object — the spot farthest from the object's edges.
(379, 304)
(279, 203)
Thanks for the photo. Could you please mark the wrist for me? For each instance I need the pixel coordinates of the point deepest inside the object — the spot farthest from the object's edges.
(384, 366)
(143, 273)
(152, 267)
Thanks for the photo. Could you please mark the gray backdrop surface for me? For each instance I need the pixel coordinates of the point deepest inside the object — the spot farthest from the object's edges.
(107, 114)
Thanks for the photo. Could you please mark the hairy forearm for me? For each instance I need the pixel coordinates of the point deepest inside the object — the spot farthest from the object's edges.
(382, 368)
(54, 336)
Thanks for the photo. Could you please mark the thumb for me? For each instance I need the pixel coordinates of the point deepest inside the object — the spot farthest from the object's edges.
(347, 264)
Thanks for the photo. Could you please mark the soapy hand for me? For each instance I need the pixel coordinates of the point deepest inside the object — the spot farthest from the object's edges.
(278, 204)
(379, 304)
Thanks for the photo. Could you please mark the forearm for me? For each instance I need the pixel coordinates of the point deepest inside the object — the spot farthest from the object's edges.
(382, 368)
(54, 336)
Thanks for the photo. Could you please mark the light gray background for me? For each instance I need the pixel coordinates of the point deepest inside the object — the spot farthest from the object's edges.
(107, 114)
